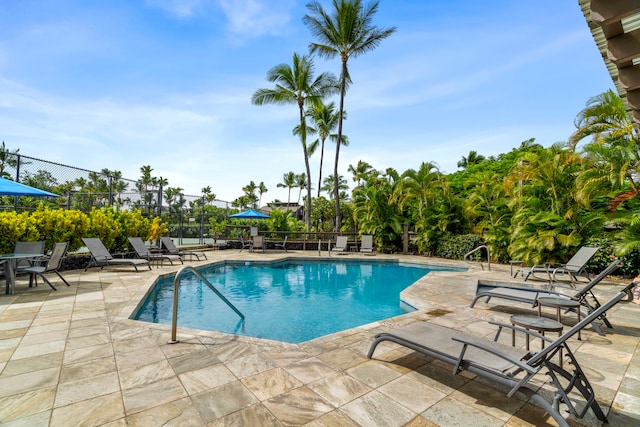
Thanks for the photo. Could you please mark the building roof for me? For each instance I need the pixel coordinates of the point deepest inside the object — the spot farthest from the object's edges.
(615, 26)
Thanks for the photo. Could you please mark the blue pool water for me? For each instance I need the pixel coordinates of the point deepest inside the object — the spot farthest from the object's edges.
(292, 301)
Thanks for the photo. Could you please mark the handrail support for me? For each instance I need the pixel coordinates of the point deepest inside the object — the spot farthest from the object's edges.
(176, 286)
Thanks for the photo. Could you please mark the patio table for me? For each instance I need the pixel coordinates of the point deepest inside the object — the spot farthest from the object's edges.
(11, 262)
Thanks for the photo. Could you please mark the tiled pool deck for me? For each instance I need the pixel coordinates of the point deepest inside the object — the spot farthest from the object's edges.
(73, 358)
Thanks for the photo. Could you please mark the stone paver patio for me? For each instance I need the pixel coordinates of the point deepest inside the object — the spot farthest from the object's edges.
(74, 358)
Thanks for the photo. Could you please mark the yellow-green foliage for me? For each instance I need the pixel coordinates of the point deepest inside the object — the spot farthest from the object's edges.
(157, 229)
(60, 226)
(104, 224)
(132, 224)
(14, 227)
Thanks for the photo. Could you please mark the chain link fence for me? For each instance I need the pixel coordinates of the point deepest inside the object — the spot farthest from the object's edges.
(186, 215)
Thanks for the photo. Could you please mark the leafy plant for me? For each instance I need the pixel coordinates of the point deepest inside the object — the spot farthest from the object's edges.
(456, 246)
(14, 227)
(104, 224)
(59, 225)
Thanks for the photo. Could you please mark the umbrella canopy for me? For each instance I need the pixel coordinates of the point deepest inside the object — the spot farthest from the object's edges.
(12, 188)
(250, 214)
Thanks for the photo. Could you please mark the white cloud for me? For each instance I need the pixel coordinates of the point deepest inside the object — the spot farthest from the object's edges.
(257, 17)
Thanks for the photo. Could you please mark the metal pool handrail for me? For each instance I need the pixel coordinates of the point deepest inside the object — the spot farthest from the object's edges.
(468, 255)
(176, 284)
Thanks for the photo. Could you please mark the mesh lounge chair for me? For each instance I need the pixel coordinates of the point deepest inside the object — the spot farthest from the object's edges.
(52, 265)
(341, 245)
(530, 295)
(572, 269)
(258, 243)
(366, 245)
(244, 244)
(282, 245)
(143, 252)
(100, 256)
(509, 366)
(168, 244)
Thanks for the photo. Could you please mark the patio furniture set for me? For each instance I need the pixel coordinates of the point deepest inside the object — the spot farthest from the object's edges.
(30, 258)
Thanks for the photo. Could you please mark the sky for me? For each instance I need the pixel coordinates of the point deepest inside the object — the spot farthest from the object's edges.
(121, 84)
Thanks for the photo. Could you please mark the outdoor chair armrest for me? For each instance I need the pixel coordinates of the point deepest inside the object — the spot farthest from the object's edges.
(529, 332)
(468, 341)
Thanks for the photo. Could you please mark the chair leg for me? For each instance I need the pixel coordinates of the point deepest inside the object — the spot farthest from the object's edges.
(62, 278)
(47, 281)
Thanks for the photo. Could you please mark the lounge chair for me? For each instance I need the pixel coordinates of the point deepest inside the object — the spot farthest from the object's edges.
(53, 264)
(366, 244)
(530, 295)
(100, 256)
(509, 366)
(282, 245)
(572, 269)
(258, 243)
(143, 252)
(245, 244)
(168, 244)
(341, 245)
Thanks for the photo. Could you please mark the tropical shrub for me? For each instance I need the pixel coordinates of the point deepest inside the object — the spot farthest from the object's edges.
(283, 220)
(14, 227)
(157, 229)
(456, 246)
(57, 225)
(104, 224)
(132, 224)
(607, 253)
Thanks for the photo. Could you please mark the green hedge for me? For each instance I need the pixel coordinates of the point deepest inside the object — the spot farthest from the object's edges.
(456, 246)
(59, 225)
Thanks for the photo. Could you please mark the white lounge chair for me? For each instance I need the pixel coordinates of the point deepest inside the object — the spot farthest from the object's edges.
(258, 243)
(282, 245)
(341, 245)
(366, 244)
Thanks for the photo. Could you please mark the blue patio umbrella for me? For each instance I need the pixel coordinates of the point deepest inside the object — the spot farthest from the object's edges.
(250, 214)
(12, 188)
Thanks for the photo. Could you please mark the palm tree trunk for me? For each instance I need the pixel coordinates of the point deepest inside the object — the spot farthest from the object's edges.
(303, 138)
(320, 174)
(336, 195)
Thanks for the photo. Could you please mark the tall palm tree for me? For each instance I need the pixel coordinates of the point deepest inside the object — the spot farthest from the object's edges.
(296, 85)
(329, 185)
(345, 32)
(472, 159)
(361, 171)
(301, 184)
(250, 192)
(288, 181)
(325, 120)
(261, 190)
(209, 196)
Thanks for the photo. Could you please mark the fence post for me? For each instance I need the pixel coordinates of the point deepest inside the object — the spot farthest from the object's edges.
(202, 223)
(15, 199)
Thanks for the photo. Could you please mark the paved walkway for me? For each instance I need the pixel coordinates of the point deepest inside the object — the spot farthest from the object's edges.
(73, 358)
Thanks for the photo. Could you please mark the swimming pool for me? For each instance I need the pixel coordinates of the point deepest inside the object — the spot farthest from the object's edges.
(291, 300)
